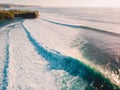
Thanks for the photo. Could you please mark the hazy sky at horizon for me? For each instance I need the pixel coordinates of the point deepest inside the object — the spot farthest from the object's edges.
(67, 3)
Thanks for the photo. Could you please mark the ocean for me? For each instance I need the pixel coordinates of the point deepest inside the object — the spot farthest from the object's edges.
(78, 48)
(99, 39)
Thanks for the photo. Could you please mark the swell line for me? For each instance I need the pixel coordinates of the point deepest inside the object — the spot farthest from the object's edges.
(84, 27)
(72, 66)
(101, 21)
(63, 24)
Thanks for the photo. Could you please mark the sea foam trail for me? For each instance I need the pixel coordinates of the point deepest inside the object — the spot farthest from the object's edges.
(4, 52)
(52, 37)
(5, 70)
(27, 70)
(6, 65)
(3, 42)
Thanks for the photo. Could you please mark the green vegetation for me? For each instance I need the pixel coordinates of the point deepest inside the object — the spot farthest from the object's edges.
(10, 14)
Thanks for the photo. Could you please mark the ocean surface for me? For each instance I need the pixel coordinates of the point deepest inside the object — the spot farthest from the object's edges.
(63, 49)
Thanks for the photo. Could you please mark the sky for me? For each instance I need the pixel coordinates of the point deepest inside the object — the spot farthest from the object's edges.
(67, 3)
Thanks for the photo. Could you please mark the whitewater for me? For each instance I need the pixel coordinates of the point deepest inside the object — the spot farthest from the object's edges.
(63, 49)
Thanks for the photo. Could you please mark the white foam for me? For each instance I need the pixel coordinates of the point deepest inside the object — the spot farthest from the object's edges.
(51, 36)
(3, 44)
(27, 70)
